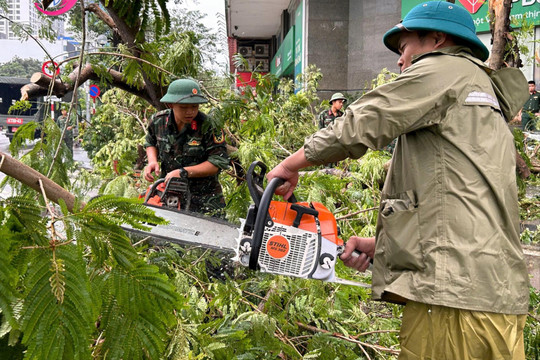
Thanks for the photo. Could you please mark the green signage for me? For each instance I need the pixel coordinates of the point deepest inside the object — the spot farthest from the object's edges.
(282, 63)
(528, 10)
(276, 67)
(298, 33)
(288, 52)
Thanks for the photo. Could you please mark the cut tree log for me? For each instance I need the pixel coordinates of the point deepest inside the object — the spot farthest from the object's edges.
(30, 177)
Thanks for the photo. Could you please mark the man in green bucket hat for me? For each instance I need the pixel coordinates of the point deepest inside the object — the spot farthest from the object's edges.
(328, 116)
(447, 239)
(182, 143)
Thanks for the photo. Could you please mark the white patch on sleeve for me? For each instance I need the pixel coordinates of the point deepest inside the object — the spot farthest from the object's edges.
(481, 98)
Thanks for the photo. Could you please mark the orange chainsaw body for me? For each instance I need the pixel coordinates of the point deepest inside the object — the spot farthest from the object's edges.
(281, 213)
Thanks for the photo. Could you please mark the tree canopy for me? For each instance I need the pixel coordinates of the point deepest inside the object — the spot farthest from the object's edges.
(20, 67)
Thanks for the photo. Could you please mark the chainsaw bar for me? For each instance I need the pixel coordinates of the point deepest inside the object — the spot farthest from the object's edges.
(189, 228)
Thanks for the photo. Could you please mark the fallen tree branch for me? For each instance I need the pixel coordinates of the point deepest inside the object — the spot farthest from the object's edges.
(30, 177)
(42, 82)
(350, 339)
(357, 212)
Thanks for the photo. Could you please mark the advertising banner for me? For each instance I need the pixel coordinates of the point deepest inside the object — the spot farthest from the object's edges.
(528, 10)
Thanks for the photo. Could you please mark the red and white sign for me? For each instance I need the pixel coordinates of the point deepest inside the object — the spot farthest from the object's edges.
(48, 68)
(14, 121)
(472, 5)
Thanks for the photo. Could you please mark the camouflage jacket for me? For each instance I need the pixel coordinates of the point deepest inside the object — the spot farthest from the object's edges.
(187, 147)
(61, 122)
(327, 117)
(531, 107)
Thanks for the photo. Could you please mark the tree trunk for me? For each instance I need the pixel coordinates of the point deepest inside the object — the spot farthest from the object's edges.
(501, 32)
(131, 37)
(499, 12)
(30, 177)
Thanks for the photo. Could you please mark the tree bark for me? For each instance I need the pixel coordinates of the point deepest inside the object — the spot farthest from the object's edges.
(499, 13)
(501, 32)
(40, 84)
(30, 177)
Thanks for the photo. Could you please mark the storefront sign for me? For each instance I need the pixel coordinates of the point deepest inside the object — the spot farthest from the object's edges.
(522, 10)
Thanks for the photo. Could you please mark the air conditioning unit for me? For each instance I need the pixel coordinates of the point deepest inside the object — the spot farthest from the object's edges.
(261, 50)
(261, 65)
(243, 68)
(245, 51)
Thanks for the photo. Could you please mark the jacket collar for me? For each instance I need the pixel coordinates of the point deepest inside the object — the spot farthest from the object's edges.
(451, 50)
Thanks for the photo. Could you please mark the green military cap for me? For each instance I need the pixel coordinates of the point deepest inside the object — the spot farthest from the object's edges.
(439, 16)
(184, 91)
(338, 96)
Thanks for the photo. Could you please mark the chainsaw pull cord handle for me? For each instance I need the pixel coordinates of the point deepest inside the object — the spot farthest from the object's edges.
(300, 211)
(260, 221)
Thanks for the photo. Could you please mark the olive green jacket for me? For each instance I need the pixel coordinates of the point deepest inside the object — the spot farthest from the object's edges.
(448, 226)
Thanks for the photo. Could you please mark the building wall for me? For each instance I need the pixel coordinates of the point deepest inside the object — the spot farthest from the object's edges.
(344, 40)
(368, 21)
(328, 42)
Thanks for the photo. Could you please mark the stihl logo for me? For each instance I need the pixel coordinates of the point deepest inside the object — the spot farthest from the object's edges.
(277, 246)
(472, 5)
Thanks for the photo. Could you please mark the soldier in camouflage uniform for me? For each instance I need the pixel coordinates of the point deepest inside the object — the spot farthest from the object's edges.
(186, 144)
(531, 109)
(68, 135)
(327, 117)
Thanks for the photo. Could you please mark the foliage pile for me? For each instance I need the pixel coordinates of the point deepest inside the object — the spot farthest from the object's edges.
(105, 295)
(75, 286)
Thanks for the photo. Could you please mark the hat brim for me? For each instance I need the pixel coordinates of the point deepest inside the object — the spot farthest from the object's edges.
(189, 99)
(339, 98)
(391, 38)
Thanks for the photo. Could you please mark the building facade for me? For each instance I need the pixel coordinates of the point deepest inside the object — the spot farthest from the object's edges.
(24, 13)
(341, 37)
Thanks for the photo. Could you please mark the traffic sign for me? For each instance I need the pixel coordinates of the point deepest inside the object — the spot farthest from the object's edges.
(94, 91)
(49, 67)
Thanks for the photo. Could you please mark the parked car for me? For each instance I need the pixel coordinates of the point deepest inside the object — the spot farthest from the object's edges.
(10, 92)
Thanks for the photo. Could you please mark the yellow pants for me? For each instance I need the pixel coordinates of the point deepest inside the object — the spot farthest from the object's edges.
(442, 333)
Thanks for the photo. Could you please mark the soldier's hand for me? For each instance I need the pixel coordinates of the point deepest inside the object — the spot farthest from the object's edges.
(174, 173)
(290, 177)
(149, 169)
(366, 247)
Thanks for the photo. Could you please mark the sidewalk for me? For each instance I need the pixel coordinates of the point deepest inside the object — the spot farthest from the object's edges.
(81, 157)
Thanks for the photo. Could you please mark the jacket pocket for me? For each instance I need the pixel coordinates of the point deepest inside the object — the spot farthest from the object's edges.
(164, 147)
(401, 233)
(193, 153)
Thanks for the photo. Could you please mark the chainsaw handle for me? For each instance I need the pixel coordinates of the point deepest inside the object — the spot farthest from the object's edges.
(255, 182)
(355, 253)
(260, 221)
(153, 189)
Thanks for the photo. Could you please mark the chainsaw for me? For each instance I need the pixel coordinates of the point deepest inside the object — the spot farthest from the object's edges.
(298, 239)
